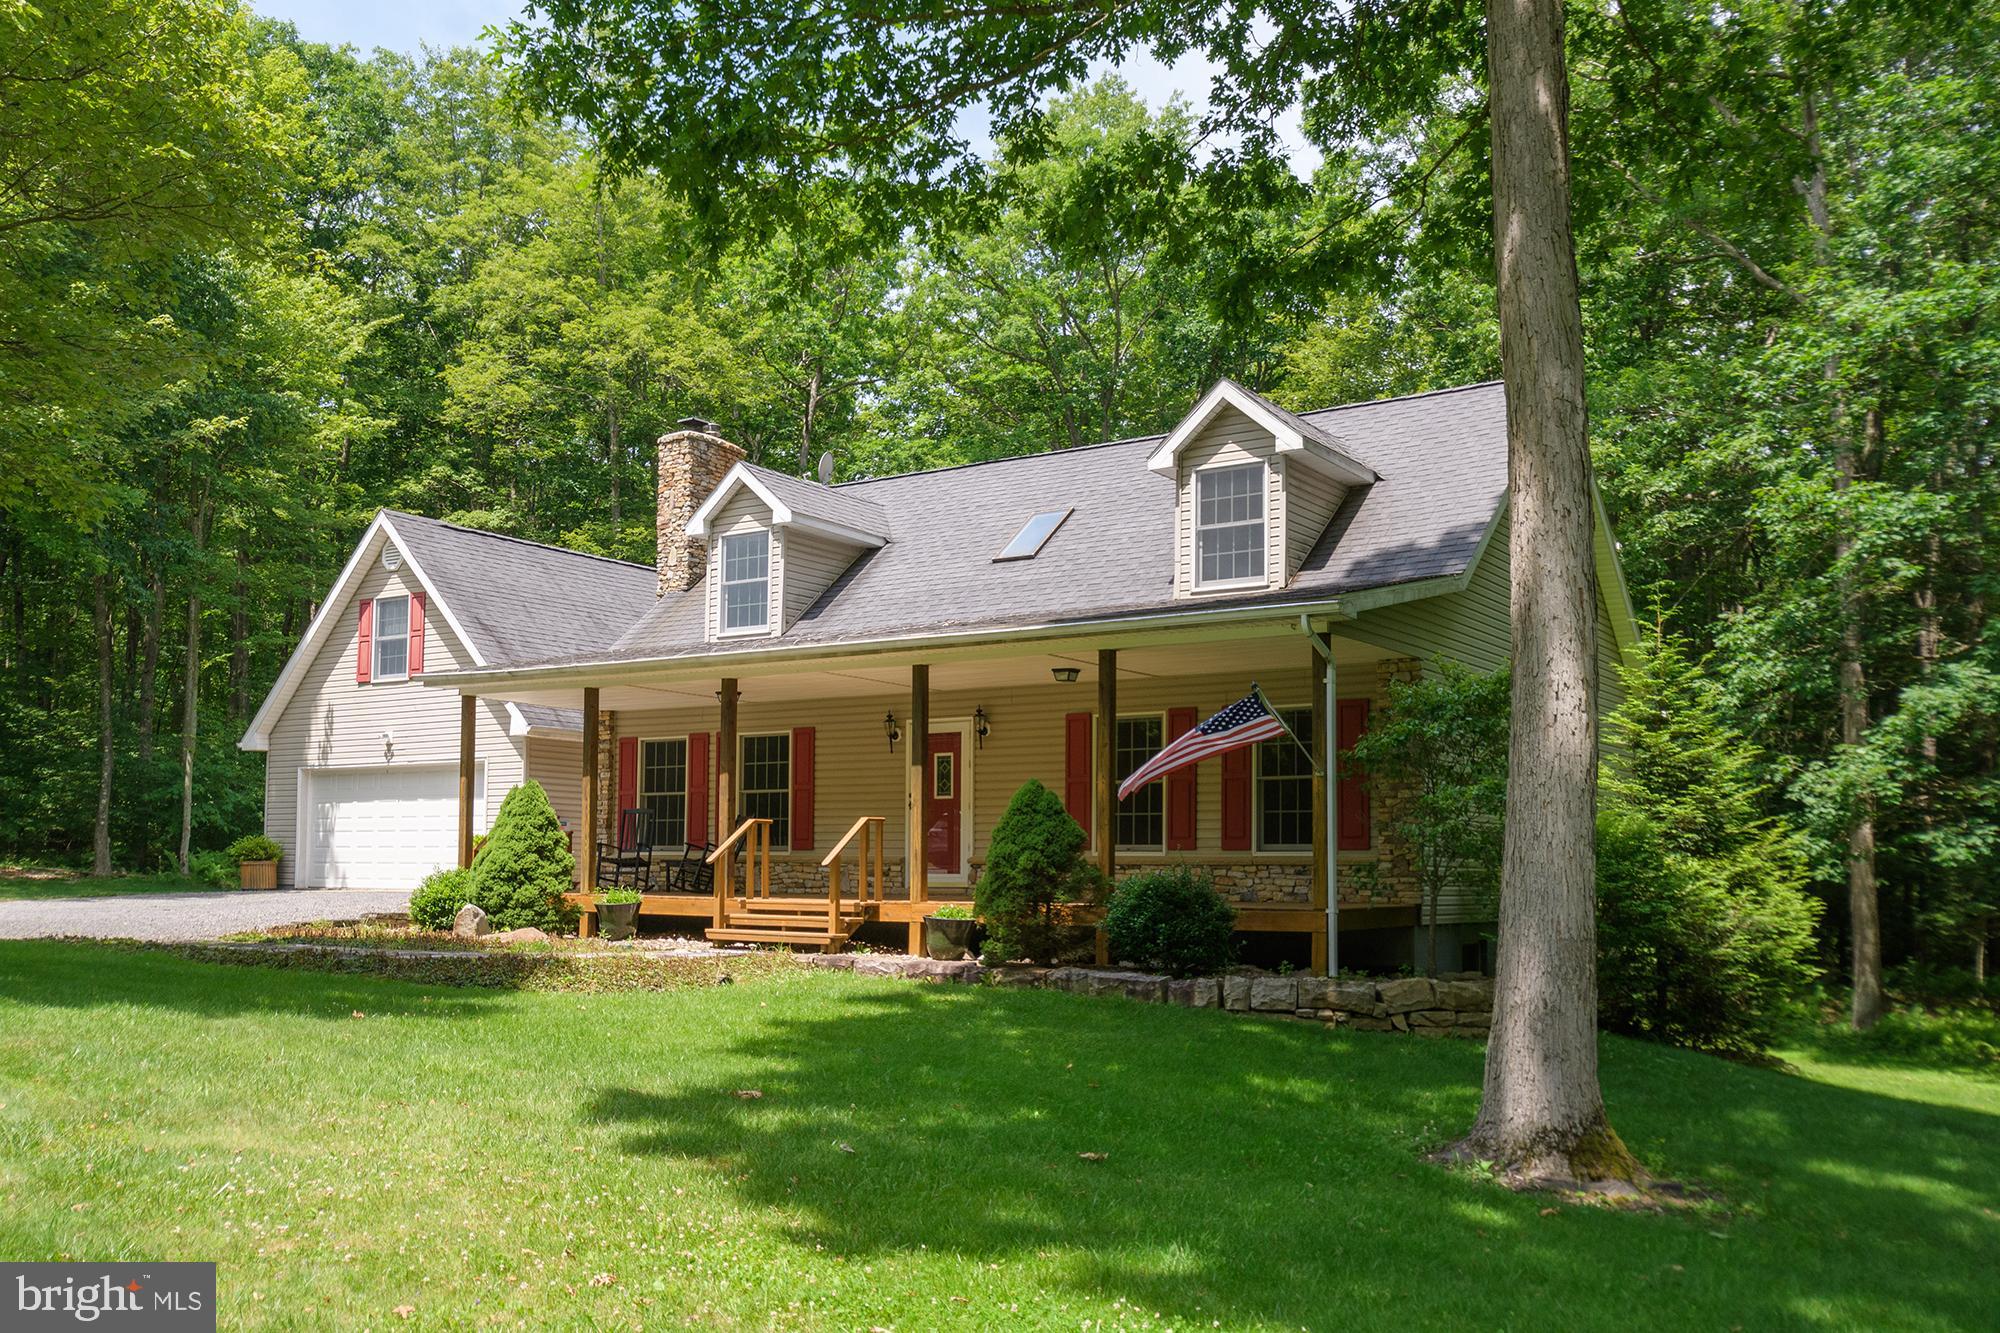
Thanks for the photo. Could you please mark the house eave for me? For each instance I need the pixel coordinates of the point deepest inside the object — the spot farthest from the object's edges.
(1165, 459)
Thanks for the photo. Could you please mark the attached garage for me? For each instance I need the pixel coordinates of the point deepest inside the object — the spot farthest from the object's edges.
(381, 827)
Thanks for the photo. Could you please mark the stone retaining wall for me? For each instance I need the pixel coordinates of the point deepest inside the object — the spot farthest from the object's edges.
(1457, 1005)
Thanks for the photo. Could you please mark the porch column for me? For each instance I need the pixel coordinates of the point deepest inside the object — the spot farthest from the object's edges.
(1322, 846)
(917, 856)
(468, 734)
(587, 862)
(725, 760)
(1103, 773)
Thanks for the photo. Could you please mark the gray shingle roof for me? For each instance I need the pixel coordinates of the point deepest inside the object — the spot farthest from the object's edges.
(1441, 458)
(521, 601)
(848, 506)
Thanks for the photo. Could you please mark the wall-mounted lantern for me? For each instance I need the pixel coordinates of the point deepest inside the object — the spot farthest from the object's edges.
(981, 728)
(890, 730)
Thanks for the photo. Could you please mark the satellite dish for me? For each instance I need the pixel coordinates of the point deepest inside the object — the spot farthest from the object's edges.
(826, 468)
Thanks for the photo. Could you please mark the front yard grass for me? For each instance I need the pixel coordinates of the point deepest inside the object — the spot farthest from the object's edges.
(350, 1148)
(20, 883)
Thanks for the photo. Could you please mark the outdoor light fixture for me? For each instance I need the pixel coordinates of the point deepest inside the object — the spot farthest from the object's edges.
(981, 728)
(889, 730)
(1067, 675)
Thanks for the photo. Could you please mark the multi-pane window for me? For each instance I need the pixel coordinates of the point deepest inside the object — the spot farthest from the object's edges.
(1142, 815)
(1284, 786)
(746, 580)
(392, 638)
(1229, 524)
(766, 774)
(663, 775)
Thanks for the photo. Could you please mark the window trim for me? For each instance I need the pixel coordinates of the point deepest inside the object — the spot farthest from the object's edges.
(376, 639)
(1196, 527)
(723, 629)
(642, 792)
(742, 788)
(1160, 782)
(1257, 781)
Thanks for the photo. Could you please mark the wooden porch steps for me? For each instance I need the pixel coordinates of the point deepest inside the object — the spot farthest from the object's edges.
(824, 940)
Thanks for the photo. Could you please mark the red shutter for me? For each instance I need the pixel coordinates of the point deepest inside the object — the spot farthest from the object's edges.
(1236, 799)
(416, 634)
(802, 789)
(628, 773)
(1180, 787)
(1076, 769)
(364, 659)
(1356, 827)
(697, 788)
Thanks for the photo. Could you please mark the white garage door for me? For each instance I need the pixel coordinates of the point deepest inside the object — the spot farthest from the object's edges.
(384, 828)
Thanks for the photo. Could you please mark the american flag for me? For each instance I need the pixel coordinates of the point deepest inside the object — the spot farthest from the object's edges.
(1244, 722)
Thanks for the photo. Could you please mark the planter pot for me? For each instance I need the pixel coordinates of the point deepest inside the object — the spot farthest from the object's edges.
(948, 938)
(258, 874)
(618, 921)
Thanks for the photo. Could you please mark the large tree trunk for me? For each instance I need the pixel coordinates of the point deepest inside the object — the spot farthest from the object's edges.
(1864, 908)
(100, 838)
(1542, 1115)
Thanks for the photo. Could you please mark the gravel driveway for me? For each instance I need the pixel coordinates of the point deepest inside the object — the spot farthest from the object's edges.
(190, 916)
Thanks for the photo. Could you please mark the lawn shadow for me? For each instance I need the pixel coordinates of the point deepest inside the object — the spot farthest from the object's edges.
(1262, 1171)
(86, 975)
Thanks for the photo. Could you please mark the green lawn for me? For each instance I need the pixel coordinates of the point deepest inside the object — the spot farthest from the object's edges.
(345, 1145)
(17, 883)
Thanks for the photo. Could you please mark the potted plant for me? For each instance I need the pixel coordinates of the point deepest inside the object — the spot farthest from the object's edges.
(948, 932)
(256, 858)
(618, 913)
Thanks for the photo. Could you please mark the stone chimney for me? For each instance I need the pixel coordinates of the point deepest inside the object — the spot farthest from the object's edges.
(693, 462)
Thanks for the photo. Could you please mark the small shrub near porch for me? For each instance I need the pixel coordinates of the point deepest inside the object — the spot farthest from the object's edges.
(1034, 865)
(520, 875)
(1173, 920)
(436, 903)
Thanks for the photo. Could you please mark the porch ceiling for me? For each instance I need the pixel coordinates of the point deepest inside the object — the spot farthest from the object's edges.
(1280, 649)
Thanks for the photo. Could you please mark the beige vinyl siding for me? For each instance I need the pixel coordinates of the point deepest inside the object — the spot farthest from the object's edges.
(855, 773)
(744, 513)
(1311, 500)
(1228, 439)
(558, 766)
(333, 721)
(811, 564)
(1470, 627)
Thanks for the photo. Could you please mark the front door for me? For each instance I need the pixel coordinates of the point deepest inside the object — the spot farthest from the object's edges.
(942, 789)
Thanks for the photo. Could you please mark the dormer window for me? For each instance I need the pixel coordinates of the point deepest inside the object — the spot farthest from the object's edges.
(392, 638)
(746, 582)
(1229, 525)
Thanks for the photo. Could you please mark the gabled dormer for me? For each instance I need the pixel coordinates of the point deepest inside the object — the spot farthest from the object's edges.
(1255, 487)
(775, 544)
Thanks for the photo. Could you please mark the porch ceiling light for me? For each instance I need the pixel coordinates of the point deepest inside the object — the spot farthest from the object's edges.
(889, 729)
(981, 728)
(1067, 675)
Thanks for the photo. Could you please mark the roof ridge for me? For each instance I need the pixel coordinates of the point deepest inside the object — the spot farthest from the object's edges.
(521, 541)
(1400, 398)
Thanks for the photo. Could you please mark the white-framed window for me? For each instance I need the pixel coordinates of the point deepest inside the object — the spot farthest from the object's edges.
(1229, 525)
(765, 774)
(1142, 816)
(663, 773)
(392, 639)
(746, 582)
(1284, 781)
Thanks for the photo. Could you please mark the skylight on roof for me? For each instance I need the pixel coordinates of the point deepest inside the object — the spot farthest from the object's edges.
(1034, 534)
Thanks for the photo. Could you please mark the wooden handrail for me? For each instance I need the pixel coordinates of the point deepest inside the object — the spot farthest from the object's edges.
(759, 868)
(734, 838)
(850, 835)
(868, 829)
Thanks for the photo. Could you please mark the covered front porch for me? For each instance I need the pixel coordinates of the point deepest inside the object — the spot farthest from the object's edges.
(801, 782)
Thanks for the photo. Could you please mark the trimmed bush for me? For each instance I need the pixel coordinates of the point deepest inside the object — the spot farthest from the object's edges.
(435, 904)
(215, 870)
(1034, 864)
(1172, 921)
(524, 868)
(254, 847)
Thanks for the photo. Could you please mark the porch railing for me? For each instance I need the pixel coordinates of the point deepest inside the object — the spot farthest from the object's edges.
(865, 836)
(754, 835)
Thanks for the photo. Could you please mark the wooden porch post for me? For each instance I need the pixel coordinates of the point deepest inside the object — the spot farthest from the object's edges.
(587, 862)
(1103, 774)
(1322, 844)
(468, 759)
(917, 851)
(725, 760)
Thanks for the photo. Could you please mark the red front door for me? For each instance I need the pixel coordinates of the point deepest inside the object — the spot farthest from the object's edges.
(941, 803)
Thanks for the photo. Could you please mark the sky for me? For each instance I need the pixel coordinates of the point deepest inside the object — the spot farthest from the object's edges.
(404, 25)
